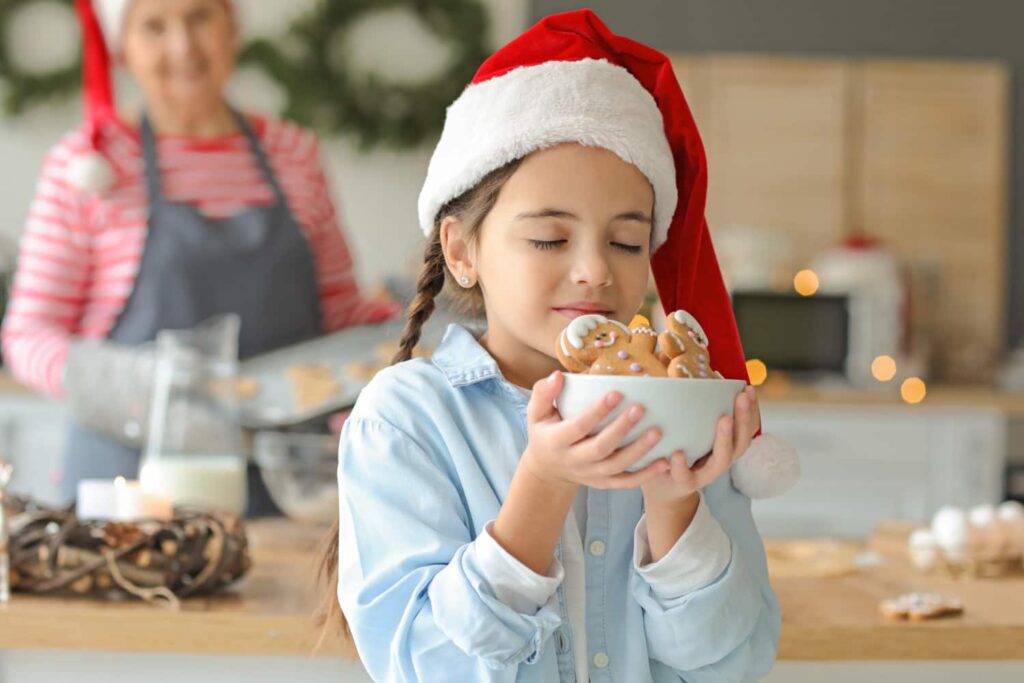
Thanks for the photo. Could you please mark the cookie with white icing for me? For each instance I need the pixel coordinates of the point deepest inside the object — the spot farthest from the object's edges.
(596, 345)
(683, 348)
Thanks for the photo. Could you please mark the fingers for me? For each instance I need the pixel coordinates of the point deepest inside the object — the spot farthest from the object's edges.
(630, 480)
(756, 408)
(721, 454)
(580, 427)
(601, 445)
(629, 455)
(684, 476)
(745, 424)
(542, 401)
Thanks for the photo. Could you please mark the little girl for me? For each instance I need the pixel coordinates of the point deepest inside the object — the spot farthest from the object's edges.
(481, 536)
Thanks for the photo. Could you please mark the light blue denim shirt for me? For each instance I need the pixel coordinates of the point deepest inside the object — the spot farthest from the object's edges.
(426, 459)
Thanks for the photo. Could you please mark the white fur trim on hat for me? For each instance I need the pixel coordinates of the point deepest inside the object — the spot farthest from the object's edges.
(769, 468)
(90, 171)
(110, 14)
(591, 102)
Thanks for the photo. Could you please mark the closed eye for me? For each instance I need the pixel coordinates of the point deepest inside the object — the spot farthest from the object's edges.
(629, 248)
(544, 245)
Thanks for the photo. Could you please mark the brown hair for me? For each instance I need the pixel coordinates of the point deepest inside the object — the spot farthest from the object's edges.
(472, 208)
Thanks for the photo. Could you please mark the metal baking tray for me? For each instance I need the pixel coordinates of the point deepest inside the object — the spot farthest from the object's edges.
(273, 405)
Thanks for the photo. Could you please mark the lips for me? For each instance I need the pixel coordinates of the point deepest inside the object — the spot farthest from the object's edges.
(579, 308)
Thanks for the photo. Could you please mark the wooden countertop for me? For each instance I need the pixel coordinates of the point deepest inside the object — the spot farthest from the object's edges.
(950, 397)
(268, 613)
(837, 618)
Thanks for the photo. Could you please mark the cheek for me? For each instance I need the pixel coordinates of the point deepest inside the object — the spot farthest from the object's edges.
(218, 48)
(145, 62)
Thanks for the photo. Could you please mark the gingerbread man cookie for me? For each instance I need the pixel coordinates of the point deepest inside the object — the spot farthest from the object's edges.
(595, 345)
(919, 607)
(684, 348)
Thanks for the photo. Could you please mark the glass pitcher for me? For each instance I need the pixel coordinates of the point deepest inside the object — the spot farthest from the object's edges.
(195, 451)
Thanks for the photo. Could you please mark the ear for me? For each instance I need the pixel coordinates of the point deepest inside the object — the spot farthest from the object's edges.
(458, 249)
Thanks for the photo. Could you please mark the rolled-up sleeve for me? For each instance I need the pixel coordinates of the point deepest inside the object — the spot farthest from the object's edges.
(699, 557)
(705, 631)
(413, 580)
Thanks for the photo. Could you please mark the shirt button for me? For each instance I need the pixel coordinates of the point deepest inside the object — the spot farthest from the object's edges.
(597, 548)
(600, 660)
(563, 645)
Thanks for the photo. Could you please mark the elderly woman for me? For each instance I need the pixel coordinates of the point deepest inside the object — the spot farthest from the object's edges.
(164, 219)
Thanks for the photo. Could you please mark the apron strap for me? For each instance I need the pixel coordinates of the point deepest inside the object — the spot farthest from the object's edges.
(152, 168)
(261, 156)
(154, 186)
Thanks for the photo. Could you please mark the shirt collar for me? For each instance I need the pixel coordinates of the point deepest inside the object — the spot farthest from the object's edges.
(463, 360)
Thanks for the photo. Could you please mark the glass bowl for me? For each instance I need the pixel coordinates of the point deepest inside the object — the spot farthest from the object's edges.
(301, 473)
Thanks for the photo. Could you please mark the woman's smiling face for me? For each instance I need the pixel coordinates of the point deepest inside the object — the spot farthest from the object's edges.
(182, 52)
(569, 235)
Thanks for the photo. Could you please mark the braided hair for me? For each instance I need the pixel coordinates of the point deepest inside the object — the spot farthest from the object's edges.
(472, 208)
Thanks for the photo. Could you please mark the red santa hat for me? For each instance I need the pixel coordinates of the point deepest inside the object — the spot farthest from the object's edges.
(101, 22)
(570, 79)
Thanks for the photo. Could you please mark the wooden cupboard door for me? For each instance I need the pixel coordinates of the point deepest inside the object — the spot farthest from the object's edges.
(931, 181)
(775, 133)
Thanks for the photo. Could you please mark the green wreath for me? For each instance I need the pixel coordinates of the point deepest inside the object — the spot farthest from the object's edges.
(22, 89)
(318, 95)
(393, 115)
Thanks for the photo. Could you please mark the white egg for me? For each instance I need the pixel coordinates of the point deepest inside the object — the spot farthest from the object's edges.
(922, 538)
(950, 528)
(923, 549)
(982, 516)
(1009, 510)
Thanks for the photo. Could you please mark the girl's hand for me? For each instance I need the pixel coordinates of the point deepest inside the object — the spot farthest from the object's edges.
(563, 452)
(732, 439)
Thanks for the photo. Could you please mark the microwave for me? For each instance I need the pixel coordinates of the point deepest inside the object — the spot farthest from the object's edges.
(793, 333)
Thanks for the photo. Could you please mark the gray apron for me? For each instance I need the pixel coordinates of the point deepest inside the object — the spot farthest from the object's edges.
(256, 263)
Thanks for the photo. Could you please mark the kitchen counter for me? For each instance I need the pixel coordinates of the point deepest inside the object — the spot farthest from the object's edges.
(837, 618)
(951, 396)
(268, 613)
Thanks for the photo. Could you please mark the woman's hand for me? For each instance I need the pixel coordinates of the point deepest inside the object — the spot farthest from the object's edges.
(677, 485)
(563, 452)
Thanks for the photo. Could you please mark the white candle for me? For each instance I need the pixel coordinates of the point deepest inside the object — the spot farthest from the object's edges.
(97, 499)
(135, 503)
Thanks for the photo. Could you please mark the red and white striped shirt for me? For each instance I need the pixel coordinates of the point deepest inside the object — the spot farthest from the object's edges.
(80, 252)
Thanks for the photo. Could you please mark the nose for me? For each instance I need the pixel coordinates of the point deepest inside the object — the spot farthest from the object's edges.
(180, 41)
(591, 268)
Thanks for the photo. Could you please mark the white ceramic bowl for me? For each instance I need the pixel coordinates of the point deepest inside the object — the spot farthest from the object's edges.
(686, 410)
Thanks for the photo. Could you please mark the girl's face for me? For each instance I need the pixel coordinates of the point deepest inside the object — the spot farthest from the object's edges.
(181, 52)
(569, 235)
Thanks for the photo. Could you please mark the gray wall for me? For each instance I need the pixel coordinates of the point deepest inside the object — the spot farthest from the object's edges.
(983, 29)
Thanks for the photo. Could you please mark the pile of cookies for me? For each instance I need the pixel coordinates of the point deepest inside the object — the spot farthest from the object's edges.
(594, 344)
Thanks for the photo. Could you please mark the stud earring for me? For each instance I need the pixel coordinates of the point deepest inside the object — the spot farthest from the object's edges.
(464, 280)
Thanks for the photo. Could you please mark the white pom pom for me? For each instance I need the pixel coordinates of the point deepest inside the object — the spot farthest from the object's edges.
(90, 172)
(769, 468)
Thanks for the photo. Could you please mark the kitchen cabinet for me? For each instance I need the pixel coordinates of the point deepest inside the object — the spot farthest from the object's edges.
(912, 152)
(864, 464)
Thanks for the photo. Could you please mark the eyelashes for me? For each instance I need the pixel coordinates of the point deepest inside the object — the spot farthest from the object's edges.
(545, 245)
